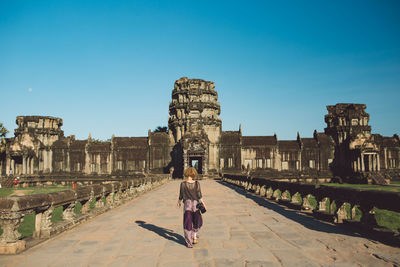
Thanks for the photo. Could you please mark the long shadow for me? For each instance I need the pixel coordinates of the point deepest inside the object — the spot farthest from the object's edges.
(163, 232)
(310, 222)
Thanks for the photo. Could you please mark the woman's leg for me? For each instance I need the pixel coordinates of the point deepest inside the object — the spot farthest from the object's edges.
(188, 223)
(197, 223)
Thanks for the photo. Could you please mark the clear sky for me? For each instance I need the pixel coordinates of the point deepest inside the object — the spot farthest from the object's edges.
(109, 67)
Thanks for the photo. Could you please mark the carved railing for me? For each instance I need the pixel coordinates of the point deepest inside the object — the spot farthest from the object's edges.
(94, 199)
(336, 203)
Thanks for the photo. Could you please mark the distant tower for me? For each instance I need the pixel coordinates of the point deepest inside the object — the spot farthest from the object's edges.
(356, 151)
(346, 120)
(194, 123)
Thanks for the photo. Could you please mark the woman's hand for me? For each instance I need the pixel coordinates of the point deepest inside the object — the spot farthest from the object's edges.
(204, 204)
(178, 204)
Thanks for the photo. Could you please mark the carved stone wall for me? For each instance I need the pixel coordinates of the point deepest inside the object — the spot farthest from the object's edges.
(195, 138)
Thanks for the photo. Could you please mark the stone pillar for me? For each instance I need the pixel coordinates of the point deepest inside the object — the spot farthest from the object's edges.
(32, 166)
(385, 159)
(68, 163)
(370, 163)
(8, 165)
(45, 167)
(50, 159)
(23, 164)
(178, 133)
(378, 162)
(28, 165)
(362, 162)
(13, 166)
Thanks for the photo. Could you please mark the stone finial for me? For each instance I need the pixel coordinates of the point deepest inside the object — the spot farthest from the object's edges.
(90, 137)
(240, 128)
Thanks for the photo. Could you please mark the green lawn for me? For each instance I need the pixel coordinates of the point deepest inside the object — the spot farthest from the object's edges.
(5, 192)
(390, 188)
(388, 219)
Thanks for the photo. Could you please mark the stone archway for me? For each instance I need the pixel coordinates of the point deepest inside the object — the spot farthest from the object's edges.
(190, 158)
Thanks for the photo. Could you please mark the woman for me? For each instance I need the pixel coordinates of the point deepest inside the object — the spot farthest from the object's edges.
(190, 194)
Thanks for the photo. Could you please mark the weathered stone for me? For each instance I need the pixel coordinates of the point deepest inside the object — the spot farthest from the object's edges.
(12, 248)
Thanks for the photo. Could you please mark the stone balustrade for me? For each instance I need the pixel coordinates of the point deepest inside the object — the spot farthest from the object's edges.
(337, 204)
(100, 196)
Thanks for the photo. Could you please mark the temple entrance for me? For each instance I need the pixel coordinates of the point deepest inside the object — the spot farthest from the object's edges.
(197, 163)
(366, 163)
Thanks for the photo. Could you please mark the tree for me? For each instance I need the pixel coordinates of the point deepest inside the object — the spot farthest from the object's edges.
(3, 130)
(161, 129)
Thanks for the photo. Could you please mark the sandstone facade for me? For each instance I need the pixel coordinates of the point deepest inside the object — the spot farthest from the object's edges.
(195, 138)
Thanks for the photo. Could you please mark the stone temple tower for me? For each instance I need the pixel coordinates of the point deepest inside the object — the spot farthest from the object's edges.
(194, 125)
(356, 151)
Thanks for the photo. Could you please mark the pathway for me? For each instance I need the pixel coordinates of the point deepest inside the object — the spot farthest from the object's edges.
(239, 230)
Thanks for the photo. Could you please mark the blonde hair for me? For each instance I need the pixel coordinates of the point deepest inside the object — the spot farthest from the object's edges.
(190, 172)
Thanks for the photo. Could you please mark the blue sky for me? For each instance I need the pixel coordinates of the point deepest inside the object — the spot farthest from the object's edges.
(109, 67)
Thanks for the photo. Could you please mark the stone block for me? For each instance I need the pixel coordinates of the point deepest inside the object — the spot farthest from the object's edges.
(12, 248)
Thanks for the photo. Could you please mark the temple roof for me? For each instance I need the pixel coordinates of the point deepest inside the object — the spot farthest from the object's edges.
(309, 142)
(130, 141)
(259, 140)
(288, 145)
(230, 138)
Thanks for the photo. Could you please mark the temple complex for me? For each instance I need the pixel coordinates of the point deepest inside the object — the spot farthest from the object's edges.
(346, 149)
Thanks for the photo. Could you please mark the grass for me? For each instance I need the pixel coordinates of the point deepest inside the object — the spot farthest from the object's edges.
(388, 219)
(367, 186)
(312, 201)
(27, 227)
(5, 192)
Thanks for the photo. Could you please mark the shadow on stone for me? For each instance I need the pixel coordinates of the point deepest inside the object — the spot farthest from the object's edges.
(308, 220)
(163, 232)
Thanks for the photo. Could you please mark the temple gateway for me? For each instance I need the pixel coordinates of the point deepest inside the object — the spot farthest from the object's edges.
(346, 149)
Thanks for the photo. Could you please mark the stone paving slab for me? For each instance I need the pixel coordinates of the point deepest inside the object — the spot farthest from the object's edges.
(239, 230)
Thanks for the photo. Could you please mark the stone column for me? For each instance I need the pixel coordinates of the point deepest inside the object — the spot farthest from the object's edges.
(23, 164)
(28, 165)
(8, 165)
(13, 166)
(45, 167)
(362, 162)
(370, 163)
(50, 159)
(178, 133)
(378, 162)
(385, 159)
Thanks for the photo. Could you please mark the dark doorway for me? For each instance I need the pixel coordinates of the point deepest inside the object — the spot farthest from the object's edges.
(197, 163)
(366, 163)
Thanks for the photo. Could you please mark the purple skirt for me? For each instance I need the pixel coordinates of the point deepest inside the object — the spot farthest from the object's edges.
(192, 220)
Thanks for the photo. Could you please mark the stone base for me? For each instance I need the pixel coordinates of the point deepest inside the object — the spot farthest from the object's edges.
(12, 248)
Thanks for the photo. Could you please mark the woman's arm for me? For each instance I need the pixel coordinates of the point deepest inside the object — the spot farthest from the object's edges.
(180, 197)
(202, 201)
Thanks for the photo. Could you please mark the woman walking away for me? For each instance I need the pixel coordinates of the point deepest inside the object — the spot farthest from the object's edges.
(190, 194)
